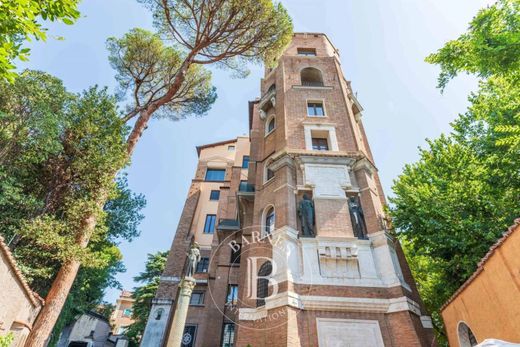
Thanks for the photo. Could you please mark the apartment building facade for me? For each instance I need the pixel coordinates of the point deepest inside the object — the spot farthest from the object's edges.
(296, 250)
(121, 318)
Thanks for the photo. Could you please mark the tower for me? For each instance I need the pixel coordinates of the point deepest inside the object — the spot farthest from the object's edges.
(301, 254)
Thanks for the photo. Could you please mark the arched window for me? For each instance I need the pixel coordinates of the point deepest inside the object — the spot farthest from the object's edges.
(269, 221)
(311, 77)
(262, 283)
(270, 124)
(466, 336)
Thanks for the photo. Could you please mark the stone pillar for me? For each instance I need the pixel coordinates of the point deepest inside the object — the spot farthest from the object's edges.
(181, 311)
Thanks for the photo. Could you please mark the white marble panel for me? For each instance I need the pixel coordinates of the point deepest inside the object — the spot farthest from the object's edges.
(329, 181)
(348, 333)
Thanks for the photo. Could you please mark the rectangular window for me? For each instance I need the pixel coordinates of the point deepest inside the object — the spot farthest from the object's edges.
(315, 109)
(203, 265)
(232, 294)
(215, 174)
(319, 144)
(230, 148)
(209, 226)
(214, 195)
(228, 335)
(245, 162)
(310, 52)
(197, 298)
(235, 255)
(127, 312)
(188, 337)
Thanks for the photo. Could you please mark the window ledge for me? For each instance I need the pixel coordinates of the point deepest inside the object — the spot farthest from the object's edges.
(319, 117)
(268, 182)
(269, 133)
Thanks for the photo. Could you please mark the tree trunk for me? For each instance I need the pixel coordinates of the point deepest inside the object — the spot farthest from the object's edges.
(63, 282)
(54, 302)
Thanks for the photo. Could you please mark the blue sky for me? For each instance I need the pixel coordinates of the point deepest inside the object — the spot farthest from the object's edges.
(382, 45)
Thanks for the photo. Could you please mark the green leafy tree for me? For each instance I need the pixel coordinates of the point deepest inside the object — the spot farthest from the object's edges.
(464, 191)
(123, 218)
(227, 33)
(21, 21)
(144, 295)
(58, 150)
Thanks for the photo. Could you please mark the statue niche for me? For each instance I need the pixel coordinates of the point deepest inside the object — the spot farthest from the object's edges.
(357, 218)
(306, 214)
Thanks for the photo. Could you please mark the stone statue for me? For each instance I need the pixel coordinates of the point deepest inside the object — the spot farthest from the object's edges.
(306, 214)
(193, 259)
(357, 218)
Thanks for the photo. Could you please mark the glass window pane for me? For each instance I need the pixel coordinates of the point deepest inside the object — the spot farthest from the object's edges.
(269, 221)
(203, 265)
(315, 109)
(307, 51)
(215, 175)
(271, 125)
(245, 162)
(197, 298)
(214, 195)
(319, 144)
(235, 255)
(270, 174)
(209, 226)
(228, 335)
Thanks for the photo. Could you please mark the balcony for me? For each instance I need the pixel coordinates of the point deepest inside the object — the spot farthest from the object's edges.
(312, 84)
(245, 187)
(267, 101)
(228, 225)
(246, 190)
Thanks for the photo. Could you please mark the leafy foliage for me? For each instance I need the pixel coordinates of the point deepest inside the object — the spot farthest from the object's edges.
(228, 33)
(6, 340)
(21, 21)
(146, 67)
(56, 149)
(491, 46)
(123, 218)
(144, 294)
(464, 191)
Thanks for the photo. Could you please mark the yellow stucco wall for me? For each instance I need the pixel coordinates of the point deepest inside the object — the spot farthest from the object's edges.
(490, 303)
(216, 157)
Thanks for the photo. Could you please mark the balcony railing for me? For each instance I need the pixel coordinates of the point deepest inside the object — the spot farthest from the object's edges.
(228, 224)
(245, 187)
(312, 84)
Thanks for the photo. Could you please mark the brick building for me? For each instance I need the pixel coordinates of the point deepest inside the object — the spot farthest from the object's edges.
(121, 318)
(485, 306)
(295, 247)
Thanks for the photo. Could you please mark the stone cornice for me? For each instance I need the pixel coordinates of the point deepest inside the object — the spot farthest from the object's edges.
(334, 303)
